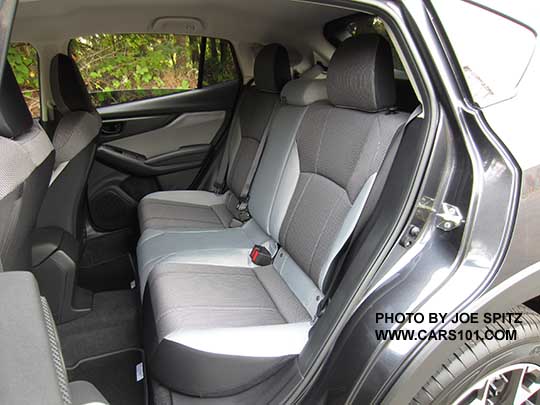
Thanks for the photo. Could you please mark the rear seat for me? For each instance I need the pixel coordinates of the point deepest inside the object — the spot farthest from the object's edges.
(272, 191)
(207, 210)
(216, 324)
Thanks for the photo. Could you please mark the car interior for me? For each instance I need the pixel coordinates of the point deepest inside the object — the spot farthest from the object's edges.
(188, 245)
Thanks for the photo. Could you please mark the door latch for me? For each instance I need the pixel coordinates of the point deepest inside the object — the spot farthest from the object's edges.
(447, 218)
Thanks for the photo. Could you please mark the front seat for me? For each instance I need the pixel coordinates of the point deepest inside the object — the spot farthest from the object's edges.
(74, 141)
(26, 163)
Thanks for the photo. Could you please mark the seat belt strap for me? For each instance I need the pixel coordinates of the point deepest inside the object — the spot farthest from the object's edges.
(220, 181)
(337, 263)
(243, 200)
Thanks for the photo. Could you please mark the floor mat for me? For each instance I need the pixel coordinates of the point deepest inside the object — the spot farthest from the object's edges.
(113, 274)
(112, 325)
(106, 263)
(114, 375)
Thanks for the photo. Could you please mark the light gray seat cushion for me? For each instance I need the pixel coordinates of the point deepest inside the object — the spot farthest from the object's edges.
(194, 296)
(245, 322)
(187, 210)
(226, 246)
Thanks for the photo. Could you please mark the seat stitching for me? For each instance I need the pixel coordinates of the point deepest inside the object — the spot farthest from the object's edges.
(295, 208)
(151, 201)
(322, 133)
(338, 199)
(180, 219)
(180, 308)
(176, 274)
(270, 296)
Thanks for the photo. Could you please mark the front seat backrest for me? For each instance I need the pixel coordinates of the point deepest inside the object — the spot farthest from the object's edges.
(74, 141)
(26, 162)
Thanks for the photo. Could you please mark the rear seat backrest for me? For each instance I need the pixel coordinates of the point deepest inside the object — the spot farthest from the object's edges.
(257, 104)
(277, 175)
(340, 148)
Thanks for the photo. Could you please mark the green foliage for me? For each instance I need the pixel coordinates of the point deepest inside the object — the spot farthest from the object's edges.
(126, 67)
(118, 68)
(219, 65)
(24, 62)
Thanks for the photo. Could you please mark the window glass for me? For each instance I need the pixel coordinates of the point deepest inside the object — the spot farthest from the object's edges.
(23, 59)
(125, 67)
(493, 51)
(219, 63)
(118, 68)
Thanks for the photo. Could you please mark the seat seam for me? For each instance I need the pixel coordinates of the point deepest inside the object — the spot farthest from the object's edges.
(295, 208)
(338, 199)
(271, 298)
(179, 308)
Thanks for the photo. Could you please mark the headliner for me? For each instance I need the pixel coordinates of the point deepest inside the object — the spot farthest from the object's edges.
(253, 21)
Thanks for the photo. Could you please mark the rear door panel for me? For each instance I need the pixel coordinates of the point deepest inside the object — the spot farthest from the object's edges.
(154, 144)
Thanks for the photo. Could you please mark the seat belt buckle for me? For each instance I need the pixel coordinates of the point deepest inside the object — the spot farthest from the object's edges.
(260, 256)
(242, 210)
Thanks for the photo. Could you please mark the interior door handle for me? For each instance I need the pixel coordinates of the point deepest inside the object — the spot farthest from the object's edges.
(111, 128)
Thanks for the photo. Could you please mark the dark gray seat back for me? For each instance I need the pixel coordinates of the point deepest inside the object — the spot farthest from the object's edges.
(74, 141)
(26, 162)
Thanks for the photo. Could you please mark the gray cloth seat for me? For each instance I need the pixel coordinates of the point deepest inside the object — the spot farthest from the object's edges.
(26, 163)
(217, 326)
(74, 141)
(204, 209)
(33, 369)
(272, 191)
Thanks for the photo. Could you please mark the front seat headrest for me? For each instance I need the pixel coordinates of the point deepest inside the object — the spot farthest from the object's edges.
(15, 118)
(69, 91)
(361, 74)
(272, 68)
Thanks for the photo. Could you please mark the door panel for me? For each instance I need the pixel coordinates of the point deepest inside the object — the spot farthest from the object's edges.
(154, 144)
(197, 128)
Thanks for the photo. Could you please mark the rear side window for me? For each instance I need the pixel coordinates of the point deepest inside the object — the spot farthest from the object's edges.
(119, 68)
(23, 59)
(219, 63)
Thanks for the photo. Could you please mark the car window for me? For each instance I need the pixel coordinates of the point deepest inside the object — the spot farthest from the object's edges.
(23, 59)
(219, 62)
(493, 51)
(119, 68)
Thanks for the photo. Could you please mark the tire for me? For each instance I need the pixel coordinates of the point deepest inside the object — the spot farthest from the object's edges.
(478, 359)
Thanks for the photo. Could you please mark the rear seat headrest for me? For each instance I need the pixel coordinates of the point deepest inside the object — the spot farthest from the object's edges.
(304, 91)
(69, 91)
(15, 118)
(361, 74)
(272, 69)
